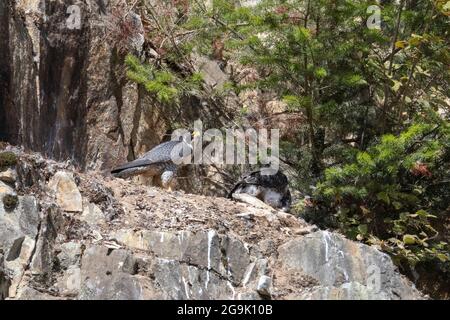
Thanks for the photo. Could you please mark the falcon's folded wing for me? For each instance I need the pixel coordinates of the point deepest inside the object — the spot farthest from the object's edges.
(133, 164)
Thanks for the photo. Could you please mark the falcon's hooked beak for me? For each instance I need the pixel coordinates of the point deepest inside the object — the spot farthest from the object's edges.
(195, 134)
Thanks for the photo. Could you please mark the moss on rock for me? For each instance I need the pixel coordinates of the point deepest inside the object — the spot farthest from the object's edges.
(10, 201)
(7, 159)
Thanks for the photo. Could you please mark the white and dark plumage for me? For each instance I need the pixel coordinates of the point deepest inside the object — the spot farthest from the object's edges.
(273, 188)
(158, 162)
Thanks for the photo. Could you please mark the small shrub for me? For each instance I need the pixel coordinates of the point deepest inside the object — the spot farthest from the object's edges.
(394, 195)
(10, 201)
(7, 159)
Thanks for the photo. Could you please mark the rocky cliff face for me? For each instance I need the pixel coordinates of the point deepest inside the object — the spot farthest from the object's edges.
(63, 91)
(68, 232)
(72, 235)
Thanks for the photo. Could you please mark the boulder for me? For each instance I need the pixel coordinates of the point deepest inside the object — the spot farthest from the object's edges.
(5, 189)
(70, 283)
(106, 275)
(264, 286)
(19, 223)
(345, 269)
(18, 258)
(68, 197)
(92, 214)
(9, 175)
(70, 254)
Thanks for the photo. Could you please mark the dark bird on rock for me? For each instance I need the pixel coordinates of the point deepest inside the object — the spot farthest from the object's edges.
(161, 162)
(271, 188)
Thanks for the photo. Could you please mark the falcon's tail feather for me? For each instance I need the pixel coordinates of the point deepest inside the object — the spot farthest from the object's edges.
(131, 168)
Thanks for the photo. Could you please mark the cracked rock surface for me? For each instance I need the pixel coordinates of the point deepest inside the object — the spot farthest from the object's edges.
(113, 239)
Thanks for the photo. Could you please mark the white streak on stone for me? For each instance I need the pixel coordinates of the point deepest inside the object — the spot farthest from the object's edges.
(186, 287)
(326, 238)
(211, 234)
(232, 289)
(248, 274)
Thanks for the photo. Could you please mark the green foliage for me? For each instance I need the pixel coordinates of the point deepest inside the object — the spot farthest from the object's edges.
(166, 85)
(7, 159)
(354, 84)
(343, 76)
(373, 138)
(395, 194)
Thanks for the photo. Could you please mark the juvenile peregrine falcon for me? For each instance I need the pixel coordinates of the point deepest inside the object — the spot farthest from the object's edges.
(270, 188)
(158, 162)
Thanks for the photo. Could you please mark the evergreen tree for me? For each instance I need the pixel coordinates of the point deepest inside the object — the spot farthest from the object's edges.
(375, 99)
